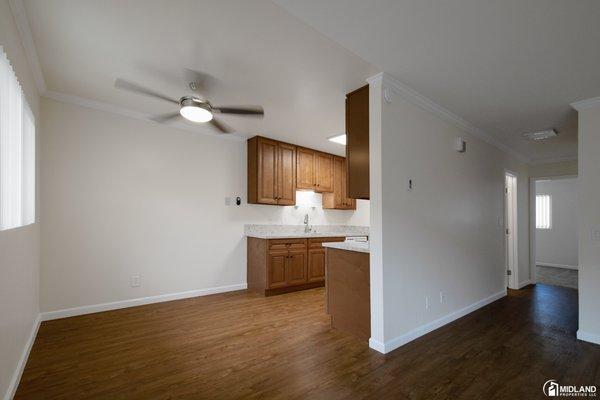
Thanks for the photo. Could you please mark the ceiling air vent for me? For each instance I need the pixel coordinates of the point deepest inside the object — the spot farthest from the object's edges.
(543, 135)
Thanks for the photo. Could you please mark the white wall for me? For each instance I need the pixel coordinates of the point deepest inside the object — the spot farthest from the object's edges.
(446, 235)
(123, 196)
(19, 248)
(589, 217)
(559, 245)
(553, 169)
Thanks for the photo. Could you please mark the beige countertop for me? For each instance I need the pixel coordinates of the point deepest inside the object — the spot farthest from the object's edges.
(362, 247)
(298, 231)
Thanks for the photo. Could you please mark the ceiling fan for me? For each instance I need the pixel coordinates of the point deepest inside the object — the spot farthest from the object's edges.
(191, 107)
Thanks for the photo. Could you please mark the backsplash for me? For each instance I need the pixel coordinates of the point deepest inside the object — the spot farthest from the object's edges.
(294, 215)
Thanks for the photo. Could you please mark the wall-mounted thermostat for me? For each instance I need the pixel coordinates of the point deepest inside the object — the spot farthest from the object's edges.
(460, 145)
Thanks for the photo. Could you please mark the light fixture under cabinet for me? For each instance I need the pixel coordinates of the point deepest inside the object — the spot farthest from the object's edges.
(340, 139)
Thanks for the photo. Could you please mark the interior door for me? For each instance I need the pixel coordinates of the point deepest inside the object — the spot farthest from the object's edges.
(267, 174)
(286, 175)
(510, 231)
(297, 267)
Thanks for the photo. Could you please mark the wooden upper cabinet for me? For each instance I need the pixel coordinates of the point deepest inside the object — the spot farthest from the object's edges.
(323, 172)
(271, 172)
(286, 175)
(314, 170)
(305, 169)
(357, 142)
(339, 199)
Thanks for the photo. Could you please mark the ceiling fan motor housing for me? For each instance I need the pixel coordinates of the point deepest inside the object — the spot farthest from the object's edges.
(192, 101)
(195, 110)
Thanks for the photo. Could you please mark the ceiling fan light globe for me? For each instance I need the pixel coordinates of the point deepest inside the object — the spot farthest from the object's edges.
(195, 113)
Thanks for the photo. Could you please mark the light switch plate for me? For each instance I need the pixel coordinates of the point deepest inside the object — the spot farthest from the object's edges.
(227, 201)
(596, 235)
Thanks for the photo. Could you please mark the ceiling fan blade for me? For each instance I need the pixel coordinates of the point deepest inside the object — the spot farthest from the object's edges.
(220, 126)
(135, 88)
(166, 117)
(249, 110)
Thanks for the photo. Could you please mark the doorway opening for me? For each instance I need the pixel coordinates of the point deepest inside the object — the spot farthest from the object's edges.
(555, 231)
(511, 231)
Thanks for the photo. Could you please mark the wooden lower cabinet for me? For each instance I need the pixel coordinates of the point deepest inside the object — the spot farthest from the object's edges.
(297, 267)
(276, 269)
(285, 265)
(316, 265)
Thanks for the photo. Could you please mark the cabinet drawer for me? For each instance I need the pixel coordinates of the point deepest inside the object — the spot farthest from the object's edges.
(287, 244)
(317, 243)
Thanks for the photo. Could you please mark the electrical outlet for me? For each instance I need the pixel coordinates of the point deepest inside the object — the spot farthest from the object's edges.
(227, 201)
(135, 281)
(442, 298)
(596, 235)
(427, 302)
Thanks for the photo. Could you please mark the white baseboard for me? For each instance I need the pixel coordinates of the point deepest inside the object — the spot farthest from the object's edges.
(524, 283)
(377, 345)
(71, 312)
(16, 378)
(422, 330)
(588, 337)
(545, 264)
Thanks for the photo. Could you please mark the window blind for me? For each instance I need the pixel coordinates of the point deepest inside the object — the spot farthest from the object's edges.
(543, 211)
(17, 151)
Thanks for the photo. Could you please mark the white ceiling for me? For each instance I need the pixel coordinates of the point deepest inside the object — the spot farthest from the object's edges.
(256, 51)
(507, 66)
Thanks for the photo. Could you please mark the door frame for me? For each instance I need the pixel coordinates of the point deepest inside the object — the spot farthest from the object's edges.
(532, 222)
(511, 225)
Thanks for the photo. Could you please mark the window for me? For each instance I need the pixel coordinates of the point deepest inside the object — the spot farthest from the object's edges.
(543, 211)
(17, 151)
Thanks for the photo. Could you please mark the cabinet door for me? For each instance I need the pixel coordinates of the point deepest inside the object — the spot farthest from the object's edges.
(286, 175)
(297, 267)
(339, 184)
(357, 142)
(316, 265)
(305, 169)
(276, 269)
(323, 172)
(267, 171)
(346, 202)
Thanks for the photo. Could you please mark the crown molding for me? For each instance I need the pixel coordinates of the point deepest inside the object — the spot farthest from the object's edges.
(20, 17)
(550, 160)
(586, 104)
(418, 99)
(125, 112)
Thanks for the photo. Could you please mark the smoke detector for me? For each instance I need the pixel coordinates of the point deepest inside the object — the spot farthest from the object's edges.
(542, 135)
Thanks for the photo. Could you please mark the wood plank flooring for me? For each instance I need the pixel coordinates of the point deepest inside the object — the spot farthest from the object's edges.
(243, 346)
(557, 276)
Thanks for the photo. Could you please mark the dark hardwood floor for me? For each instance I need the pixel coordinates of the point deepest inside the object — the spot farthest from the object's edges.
(243, 346)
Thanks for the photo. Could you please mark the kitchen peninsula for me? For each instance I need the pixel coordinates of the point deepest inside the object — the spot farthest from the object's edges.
(348, 287)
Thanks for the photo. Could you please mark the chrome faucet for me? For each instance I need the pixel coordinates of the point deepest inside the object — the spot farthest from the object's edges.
(307, 227)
